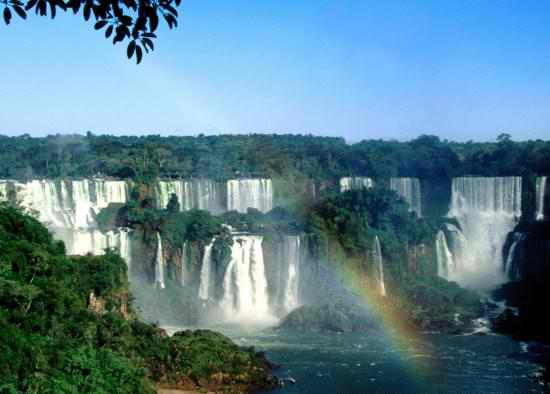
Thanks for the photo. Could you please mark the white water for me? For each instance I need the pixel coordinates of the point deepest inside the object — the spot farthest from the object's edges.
(3, 191)
(195, 193)
(487, 210)
(355, 183)
(514, 254)
(245, 297)
(95, 242)
(183, 263)
(409, 189)
(69, 209)
(70, 204)
(249, 193)
(379, 266)
(289, 273)
(204, 287)
(446, 267)
(159, 266)
(541, 192)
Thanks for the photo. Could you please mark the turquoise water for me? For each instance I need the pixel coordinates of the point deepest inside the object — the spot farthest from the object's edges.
(368, 363)
(361, 363)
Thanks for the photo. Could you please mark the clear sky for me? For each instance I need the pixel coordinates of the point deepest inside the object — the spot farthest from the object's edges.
(461, 69)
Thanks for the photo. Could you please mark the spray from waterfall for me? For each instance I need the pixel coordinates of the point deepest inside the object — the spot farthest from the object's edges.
(379, 267)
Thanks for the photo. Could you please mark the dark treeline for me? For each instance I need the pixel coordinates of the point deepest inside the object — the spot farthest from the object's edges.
(226, 156)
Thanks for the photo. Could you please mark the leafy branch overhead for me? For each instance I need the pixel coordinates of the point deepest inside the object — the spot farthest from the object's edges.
(132, 21)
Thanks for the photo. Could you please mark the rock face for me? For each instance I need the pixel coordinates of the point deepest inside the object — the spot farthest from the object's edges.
(527, 261)
(432, 303)
(336, 317)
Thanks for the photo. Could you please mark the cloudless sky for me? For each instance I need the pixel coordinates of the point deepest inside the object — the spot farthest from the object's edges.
(460, 69)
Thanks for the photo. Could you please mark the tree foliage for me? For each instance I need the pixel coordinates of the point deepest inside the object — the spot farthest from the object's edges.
(53, 341)
(292, 157)
(131, 21)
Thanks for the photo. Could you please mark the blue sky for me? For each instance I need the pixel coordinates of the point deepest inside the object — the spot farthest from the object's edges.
(461, 69)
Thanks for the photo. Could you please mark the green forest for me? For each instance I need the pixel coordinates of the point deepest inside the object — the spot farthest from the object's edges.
(267, 155)
(67, 325)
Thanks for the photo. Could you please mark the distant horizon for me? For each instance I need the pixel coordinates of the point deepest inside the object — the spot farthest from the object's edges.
(347, 140)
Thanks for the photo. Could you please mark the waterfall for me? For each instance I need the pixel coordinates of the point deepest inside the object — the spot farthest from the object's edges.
(288, 273)
(409, 189)
(183, 263)
(107, 192)
(204, 287)
(195, 193)
(82, 242)
(163, 191)
(249, 193)
(69, 209)
(379, 267)
(355, 183)
(487, 210)
(159, 266)
(541, 194)
(455, 243)
(513, 260)
(70, 204)
(446, 267)
(245, 297)
(3, 191)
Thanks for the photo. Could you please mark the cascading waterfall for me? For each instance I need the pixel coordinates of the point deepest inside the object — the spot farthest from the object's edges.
(446, 267)
(71, 204)
(456, 245)
(183, 263)
(107, 192)
(355, 183)
(288, 264)
(69, 209)
(409, 189)
(245, 297)
(95, 242)
(487, 210)
(513, 260)
(206, 269)
(195, 193)
(159, 266)
(3, 191)
(541, 194)
(379, 267)
(249, 193)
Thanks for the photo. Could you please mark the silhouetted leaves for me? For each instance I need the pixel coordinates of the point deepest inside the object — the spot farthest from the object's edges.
(7, 15)
(100, 25)
(131, 49)
(136, 20)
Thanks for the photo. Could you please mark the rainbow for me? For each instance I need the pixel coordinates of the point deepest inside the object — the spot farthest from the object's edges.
(415, 353)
